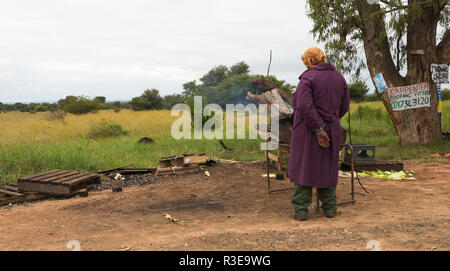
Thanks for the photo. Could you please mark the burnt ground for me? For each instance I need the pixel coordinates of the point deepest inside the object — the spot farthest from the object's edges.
(231, 210)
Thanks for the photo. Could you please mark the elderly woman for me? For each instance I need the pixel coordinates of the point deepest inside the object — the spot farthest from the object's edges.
(321, 99)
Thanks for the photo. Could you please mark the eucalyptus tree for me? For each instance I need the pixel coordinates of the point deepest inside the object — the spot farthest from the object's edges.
(399, 39)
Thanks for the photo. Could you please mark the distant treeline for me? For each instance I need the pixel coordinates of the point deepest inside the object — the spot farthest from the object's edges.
(221, 85)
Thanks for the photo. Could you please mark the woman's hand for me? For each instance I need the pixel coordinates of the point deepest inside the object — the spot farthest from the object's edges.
(323, 139)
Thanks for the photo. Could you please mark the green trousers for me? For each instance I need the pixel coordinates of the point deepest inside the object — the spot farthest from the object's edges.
(302, 198)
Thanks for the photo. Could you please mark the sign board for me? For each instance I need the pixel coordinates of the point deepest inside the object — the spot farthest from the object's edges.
(409, 97)
(440, 98)
(439, 73)
(379, 82)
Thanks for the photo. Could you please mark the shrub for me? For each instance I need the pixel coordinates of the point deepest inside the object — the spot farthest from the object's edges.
(358, 90)
(445, 94)
(104, 129)
(57, 114)
(149, 100)
(79, 105)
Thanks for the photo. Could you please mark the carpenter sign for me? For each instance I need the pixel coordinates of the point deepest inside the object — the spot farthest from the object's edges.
(379, 82)
(409, 97)
(439, 73)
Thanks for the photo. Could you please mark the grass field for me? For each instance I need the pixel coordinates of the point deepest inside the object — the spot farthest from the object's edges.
(30, 143)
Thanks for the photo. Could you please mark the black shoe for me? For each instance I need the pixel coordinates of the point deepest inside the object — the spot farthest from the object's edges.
(300, 216)
(330, 214)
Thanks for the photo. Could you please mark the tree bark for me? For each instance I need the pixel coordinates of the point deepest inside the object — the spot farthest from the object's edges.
(421, 125)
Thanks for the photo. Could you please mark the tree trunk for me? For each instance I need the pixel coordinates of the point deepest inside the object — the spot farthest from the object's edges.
(421, 125)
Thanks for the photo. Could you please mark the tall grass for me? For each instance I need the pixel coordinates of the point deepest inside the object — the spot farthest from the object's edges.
(371, 124)
(31, 143)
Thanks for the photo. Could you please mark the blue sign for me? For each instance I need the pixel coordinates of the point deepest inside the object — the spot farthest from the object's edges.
(379, 82)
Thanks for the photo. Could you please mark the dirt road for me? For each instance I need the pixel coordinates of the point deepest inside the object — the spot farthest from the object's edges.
(231, 210)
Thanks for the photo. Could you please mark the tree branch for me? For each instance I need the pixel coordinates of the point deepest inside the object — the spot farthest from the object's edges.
(376, 45)
(393, 4)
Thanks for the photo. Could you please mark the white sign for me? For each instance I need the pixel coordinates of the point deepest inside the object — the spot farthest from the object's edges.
(379, 82)
(409, 97)
(439, 73)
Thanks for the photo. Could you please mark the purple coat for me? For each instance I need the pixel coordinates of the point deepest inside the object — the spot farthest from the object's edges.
(322, 96)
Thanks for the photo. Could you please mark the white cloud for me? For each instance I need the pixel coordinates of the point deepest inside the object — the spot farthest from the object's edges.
(53, 48)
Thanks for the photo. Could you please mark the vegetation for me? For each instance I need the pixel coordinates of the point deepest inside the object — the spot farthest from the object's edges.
(104, 129)
(71, 144)
(358, 90)
(229, 85)
(389, 34)
(79, 105)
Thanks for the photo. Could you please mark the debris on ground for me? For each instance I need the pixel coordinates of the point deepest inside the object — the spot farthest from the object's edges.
(183, 160)
(177, 170)
(207, 173)
(445, 155)
(273, 175)
(117, 189)
(119, 177)
(388, 175)
(9, 194)
(125, 248)
(181, 164)
(171, 218)
(108, 182)
(347, 174)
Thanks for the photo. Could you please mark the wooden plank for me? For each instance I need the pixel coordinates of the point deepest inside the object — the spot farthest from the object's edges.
(13, 184)
(195, 159)
(9, 188)
(71, 177)
(37, 175)
(55, 178)
(86, 178)
(11, 193)
(176, 170)
(45, 188)
(137, 170)
(60, 172)
(12, 200)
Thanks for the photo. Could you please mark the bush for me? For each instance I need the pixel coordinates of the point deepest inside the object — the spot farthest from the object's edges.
(104, 129)
(358, 90)
(79, 105)
(171, 100)
(149, 100)
(445, 94)
(55, 115)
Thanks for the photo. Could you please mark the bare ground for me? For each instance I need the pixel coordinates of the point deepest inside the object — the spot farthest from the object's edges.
(231, 210)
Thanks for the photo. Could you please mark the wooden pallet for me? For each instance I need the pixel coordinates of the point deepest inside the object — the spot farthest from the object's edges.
(10, 194)
(57, 182)
(378, 165)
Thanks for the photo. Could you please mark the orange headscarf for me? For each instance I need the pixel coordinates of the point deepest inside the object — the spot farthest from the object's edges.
(313, 57)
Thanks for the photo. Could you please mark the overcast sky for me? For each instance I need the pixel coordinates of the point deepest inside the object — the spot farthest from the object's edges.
(117, 48)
